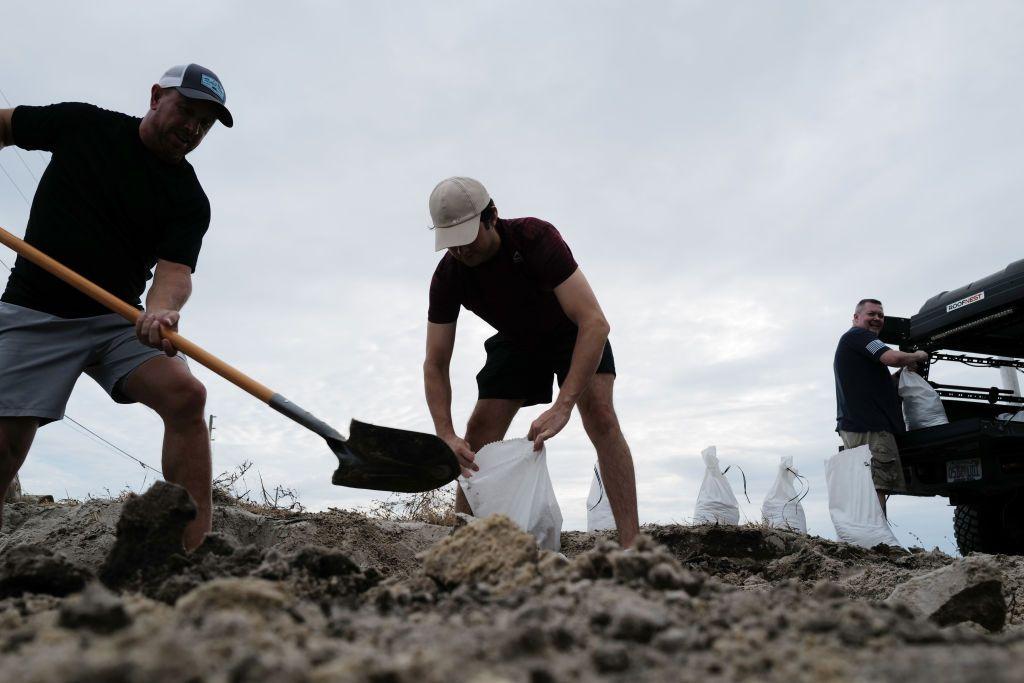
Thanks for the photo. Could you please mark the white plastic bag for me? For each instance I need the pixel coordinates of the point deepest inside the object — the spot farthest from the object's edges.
(852, 501)
(599, 510)
(922, 406)
(716, 503)
(513, 480)
(781, 507)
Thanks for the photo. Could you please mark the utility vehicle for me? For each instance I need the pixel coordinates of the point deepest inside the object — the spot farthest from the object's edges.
(977, 460)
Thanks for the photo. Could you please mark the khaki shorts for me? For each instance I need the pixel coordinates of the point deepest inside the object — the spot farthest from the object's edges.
(886, 470)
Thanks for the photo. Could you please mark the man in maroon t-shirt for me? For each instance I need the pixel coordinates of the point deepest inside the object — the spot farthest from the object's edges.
(519, 276)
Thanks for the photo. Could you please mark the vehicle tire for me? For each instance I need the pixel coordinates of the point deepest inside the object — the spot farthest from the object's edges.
(987, 528)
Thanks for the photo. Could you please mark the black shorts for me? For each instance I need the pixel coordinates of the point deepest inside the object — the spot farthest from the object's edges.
(517, 373)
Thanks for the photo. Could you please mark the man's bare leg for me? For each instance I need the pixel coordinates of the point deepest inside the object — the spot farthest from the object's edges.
(166, 385)
(16, 434)
(489, 422)
(13, 491)
(602, 426)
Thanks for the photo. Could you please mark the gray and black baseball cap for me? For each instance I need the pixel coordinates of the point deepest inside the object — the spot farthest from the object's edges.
(198, 83)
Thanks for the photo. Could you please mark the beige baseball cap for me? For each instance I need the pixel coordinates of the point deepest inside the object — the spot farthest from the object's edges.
(455, 208)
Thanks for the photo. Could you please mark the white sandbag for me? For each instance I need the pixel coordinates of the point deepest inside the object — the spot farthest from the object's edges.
(599, 510)
(922, 406)
(513, 480)
(781, 507)
(852, 501)
(716, 503)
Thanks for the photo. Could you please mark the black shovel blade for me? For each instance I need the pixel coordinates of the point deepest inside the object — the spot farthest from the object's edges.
(389, 459)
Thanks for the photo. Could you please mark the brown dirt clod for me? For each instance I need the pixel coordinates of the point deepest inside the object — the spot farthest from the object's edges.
(148, 533)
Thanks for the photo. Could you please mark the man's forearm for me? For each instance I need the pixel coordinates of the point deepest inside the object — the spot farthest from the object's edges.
(168, 294)
(438, 388)
(901, 359)
(586, 357)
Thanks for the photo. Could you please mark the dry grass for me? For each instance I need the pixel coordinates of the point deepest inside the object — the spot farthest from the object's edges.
(431, 507)
(232, 488)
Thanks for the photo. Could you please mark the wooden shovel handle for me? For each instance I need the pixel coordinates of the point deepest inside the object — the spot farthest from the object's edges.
(131, 313)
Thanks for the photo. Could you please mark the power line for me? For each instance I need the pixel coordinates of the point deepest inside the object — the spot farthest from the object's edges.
(116, 448)
(25, 164)
(2, 168)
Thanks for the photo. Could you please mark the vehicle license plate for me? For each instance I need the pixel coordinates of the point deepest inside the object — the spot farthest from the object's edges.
(963, 470)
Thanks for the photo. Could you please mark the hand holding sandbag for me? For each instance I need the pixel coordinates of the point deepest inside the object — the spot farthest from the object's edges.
(513, 480)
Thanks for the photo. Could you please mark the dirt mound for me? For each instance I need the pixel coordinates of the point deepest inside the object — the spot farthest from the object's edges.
(337, 596)
(752, 555)
(149, 535)
(36, 569)
(493, 550)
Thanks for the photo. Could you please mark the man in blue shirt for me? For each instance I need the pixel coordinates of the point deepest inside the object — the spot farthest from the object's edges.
(868, 406)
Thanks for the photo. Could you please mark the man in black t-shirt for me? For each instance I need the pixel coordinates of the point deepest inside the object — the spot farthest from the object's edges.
(520, 277)
(867, 404)
(116, 200)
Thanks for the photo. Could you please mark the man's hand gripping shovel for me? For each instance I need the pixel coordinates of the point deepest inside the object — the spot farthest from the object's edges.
(372, 457)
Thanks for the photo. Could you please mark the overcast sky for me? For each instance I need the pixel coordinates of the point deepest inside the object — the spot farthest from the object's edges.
(732, 178)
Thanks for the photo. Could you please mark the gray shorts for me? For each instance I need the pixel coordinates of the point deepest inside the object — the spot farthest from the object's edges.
(41, 357)
(886, 469)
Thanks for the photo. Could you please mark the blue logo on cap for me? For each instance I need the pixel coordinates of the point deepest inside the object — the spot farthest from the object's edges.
(214, 85)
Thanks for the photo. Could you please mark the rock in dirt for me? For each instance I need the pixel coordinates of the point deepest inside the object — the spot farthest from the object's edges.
(324, 563)
(970, 589)
(462, 519)
(148, 533)
(253, 596)
(217, 543)
(35, 569)
(637, 622)
(648, 563)
(96, 609)
(491, 550)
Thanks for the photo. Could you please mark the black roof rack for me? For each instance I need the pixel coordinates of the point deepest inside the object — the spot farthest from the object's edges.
(985, 316)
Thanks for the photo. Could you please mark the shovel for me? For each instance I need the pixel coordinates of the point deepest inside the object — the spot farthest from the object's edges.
(373, 457)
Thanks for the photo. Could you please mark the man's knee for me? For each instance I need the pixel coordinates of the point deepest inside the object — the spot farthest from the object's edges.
(478, 427)
(600, 419)
(489, 421)
(185, 398)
